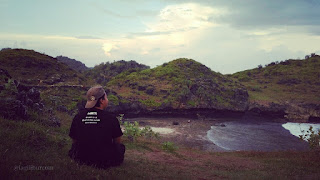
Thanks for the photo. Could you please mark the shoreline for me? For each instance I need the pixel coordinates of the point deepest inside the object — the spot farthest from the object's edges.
(187, 132)
(193, 133)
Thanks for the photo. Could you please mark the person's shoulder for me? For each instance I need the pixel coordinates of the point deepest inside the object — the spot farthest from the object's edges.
(83, 112)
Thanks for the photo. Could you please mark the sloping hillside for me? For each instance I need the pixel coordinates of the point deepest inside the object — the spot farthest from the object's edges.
(291, 86)
(33, 68)
(179, 84)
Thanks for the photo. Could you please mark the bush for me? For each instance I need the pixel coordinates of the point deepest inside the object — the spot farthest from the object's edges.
(312, 137)
(289, 81)
(150, 103)
(169, 146)
(256, 88)
(113, 99)
(132, 130)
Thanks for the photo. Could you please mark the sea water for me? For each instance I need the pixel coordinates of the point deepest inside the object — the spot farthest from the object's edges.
(257, 136)
(298, 129)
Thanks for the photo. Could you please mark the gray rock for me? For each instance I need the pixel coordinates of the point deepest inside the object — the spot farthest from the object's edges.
(175, 123)
(55, 122)
(62, 108)
(150, 90)
(20, 110)
(29, 103)
(34, 95)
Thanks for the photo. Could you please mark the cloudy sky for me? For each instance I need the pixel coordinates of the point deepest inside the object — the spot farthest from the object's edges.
(226, 35)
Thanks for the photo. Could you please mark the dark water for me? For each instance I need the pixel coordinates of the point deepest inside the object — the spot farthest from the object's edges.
(257, 136)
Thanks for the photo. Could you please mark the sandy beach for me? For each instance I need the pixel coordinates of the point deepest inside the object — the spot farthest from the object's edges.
(183, 131)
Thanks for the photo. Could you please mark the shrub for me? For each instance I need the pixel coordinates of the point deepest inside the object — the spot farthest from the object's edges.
(256, 88)
(312, 137)
(289, 81)
(244, 79)
(271, 64)
(114, 99)
(132, 130)
(150, 103)
(191, 103)
(169, 146)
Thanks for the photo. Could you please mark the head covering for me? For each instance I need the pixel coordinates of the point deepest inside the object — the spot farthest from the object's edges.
(93, 95)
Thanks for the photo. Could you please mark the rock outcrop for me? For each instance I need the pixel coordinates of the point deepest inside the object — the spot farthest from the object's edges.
(289, 111)
(19, 101)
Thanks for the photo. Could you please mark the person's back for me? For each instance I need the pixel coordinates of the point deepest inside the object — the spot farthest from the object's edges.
(96, 134)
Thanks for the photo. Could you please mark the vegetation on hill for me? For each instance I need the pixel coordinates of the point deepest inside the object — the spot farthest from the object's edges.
(290, 80)
(287, 89)
(72, 63)
(33, 68)
(38, 87)
(179, 84)
(104, 72)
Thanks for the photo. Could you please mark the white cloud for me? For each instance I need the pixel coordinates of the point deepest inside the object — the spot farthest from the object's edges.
(86, 50)
(188, 30)
(174, 29)
(226, 41)
(107, 48)
(183, 17)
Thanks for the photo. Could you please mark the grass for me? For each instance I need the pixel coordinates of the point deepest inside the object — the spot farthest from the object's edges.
(28, 143)
(294, 80)
(29, 67)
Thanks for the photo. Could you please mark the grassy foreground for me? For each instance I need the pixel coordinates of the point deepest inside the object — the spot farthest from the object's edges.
(25, 146)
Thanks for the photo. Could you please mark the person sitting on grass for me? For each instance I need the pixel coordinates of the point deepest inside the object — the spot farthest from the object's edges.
(96, 134)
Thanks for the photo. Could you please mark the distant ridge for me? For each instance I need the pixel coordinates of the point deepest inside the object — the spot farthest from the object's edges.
(74, 64)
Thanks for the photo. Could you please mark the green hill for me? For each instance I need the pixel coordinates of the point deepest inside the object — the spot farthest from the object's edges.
(179, 84)
(104, 72)
(292, 86)
(26, 73)
(288, 89)
(33, 68)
